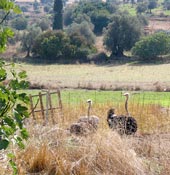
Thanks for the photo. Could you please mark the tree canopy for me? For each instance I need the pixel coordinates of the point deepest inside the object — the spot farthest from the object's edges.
(149, 47)
(99, 13)
(122, 34)
(58, 15)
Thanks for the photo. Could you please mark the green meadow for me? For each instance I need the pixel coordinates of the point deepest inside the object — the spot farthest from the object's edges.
(72, 96)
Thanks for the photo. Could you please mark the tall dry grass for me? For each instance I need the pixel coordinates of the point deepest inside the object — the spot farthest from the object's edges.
(52, 150)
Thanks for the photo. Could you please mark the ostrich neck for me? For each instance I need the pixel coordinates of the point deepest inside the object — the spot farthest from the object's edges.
(126, 106)
(88, 112)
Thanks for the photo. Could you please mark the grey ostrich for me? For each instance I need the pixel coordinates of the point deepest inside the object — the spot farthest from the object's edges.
(90, 119)
(85, 124)
(124, 124)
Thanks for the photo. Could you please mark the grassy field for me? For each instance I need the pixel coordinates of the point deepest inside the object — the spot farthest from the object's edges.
(52, 150)
(89, 76)
(76, 97)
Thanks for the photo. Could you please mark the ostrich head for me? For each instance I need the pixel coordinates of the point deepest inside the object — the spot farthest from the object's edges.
(111, 117)
(89, 101)
(126, 94)
(111, 112)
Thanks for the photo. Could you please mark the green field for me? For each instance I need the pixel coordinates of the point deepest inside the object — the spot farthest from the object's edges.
(102, 97)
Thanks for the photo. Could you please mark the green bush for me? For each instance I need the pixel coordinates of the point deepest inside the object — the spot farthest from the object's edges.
(50, 44)
(19, 23)
(152, 46)
(84, 30)
(99, 13)
(55, 45)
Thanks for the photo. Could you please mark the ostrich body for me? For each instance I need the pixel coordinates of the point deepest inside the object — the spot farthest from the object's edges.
(124, 124)
(85, 124)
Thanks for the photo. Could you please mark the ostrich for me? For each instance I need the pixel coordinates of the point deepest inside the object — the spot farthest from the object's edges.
(90, 119)
(124, 124)
(85, 124)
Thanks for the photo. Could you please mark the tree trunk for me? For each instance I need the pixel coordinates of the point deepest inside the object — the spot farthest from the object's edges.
(28, 53)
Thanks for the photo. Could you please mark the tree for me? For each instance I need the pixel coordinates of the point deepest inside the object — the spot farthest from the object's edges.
(141, 7)
(58, 15)
(166, 4)
(57, 45)
(28, 38)
(6, 33)
(152, 46)
(84, 30)
(50, 44)
(19, 23)
(44, 24)
(13, 103)
(122, 34)
(99, 13)
(152, 4)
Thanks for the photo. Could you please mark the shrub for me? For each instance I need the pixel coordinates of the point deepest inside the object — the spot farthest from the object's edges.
(99, 13)
(56, 45)
(19, 23)
(152, 46)
(50, 44)
(84, 30)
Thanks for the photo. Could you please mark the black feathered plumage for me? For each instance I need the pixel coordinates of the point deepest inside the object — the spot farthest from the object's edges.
(122, 124)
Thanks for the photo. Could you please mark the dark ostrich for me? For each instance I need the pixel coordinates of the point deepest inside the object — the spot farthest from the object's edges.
(123, 124)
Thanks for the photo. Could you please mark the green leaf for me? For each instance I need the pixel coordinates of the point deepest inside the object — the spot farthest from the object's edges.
(14, 167)
(19, 142)
(18, 119)
(3, 74)
(10, 122)
(4, 144)
(8, 131)
(11, 155)
(16, 85)
(21, 109)
(23, 84)
(22, 75)
(17, 10)
(24, 97)
(24, 134)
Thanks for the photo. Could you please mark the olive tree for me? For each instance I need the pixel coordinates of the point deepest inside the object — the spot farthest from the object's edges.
(121, 34)
(28, 38)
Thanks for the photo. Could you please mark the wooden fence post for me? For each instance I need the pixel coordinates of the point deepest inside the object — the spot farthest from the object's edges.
(32, 107)
(60, 104)
(51, 107)
(41, 105)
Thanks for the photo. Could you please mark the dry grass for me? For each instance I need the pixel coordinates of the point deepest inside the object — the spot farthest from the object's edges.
(93, 76)
(52, 150)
